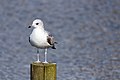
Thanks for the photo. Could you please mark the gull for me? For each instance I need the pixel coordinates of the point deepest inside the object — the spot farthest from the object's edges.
(40, 38)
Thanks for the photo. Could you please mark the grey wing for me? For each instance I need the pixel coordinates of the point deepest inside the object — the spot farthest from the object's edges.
(50, 40)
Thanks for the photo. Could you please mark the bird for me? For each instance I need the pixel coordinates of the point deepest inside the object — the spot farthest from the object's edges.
(40, 38)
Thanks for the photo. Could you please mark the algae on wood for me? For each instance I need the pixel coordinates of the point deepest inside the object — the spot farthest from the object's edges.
(43, 71)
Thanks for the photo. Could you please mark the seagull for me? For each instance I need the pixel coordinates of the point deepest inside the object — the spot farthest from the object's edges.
(40, 38)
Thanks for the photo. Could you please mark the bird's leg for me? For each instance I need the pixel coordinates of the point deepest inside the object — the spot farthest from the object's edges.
(38, 56)
(46, 56)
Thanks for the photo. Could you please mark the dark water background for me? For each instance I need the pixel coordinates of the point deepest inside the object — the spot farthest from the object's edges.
(87, 31)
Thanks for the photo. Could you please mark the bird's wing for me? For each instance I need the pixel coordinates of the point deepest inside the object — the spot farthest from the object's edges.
(29, 39)
(50, 38)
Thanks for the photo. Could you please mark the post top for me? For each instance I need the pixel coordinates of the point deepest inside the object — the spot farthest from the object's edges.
(43, 64)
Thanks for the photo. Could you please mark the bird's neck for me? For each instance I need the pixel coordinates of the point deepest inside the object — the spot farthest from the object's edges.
(40, 28)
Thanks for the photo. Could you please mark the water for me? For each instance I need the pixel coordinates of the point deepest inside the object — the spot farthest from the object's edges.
(87, 31)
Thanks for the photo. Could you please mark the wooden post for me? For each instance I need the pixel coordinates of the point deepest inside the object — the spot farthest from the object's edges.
(43, 71)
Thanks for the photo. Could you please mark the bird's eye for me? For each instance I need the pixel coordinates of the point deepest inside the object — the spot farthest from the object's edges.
(37, 23)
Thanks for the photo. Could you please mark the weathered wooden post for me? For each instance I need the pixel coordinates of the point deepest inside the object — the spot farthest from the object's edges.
(43, 71)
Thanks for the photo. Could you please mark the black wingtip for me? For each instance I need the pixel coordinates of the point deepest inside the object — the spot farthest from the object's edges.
(56, 42)
(53, 47)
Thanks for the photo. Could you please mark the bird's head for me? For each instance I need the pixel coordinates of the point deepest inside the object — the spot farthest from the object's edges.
(37, 23)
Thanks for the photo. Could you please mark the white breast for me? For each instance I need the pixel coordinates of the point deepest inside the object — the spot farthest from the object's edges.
(38, 39)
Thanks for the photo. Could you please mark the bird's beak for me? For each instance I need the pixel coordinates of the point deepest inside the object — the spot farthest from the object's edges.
(29, 26)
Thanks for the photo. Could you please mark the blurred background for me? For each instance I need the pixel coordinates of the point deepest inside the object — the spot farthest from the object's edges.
(87, 31)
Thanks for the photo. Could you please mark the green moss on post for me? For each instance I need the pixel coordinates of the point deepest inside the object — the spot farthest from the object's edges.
(43, 71)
